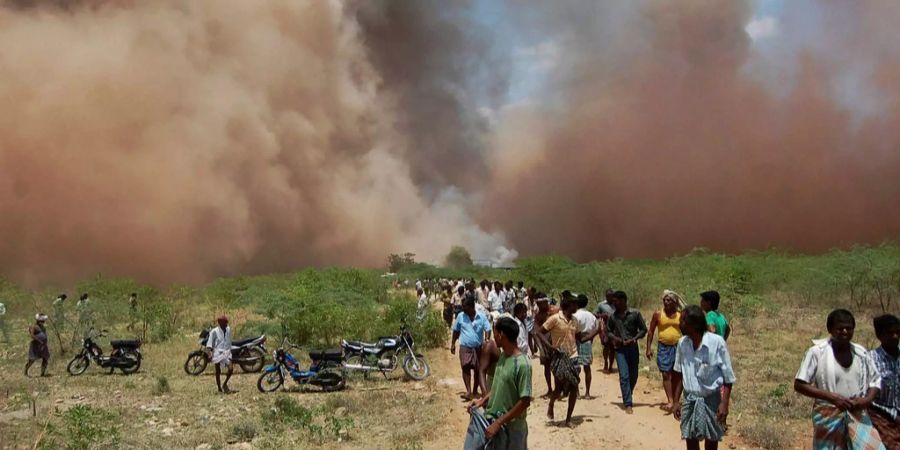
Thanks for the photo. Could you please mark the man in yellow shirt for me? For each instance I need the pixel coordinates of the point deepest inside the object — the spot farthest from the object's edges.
(558, 333)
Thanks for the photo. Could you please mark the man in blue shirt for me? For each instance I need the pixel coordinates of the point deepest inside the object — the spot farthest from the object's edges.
(470, 329)
(885, 410)
(703, 371)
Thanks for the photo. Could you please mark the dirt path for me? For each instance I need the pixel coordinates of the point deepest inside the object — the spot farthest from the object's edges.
(599, 421)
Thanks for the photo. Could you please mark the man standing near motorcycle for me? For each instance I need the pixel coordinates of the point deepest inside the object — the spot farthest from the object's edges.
(219, 344)
(38, 348)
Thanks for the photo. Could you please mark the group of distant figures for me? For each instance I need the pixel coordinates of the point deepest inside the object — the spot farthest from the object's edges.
(38, 347)
(500, 326)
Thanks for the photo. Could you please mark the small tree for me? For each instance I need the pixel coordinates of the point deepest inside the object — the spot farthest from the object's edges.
(458, 258)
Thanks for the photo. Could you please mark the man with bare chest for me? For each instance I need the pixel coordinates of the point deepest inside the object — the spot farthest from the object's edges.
(544, 311)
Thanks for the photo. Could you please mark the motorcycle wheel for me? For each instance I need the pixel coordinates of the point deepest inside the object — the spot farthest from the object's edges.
(196, 363)
(270, 381)
(136, 358)
(416, 367)
(78, 365)
(257, 365)
(330, 380)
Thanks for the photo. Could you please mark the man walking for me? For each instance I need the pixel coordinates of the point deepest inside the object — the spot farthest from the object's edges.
(561, 329)
(588, 328)
(885, 410)
(471, 329)
(703, 371)
(504, 419)
(132, 311)
(544, 311)
(603, 312)
(3, 322)
(626, 328)
(715, 320)
(39, 348)
(497, 300)
(219, 344)
(843, 381)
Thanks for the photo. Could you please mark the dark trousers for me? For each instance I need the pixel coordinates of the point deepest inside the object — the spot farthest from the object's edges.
(627, 360)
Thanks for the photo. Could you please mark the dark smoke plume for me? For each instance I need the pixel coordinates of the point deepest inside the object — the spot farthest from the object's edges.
(654, 138)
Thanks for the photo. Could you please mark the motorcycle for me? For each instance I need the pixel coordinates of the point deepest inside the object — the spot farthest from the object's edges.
(324, 371)
(383, 356)
(249, 353)
(126, 355)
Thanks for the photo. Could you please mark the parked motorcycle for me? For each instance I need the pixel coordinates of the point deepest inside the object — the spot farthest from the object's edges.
(324, 371)
(249, 353)
(383, 356)
(126, 355)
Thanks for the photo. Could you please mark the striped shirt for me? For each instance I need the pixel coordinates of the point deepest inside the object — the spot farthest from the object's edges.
(888, 400)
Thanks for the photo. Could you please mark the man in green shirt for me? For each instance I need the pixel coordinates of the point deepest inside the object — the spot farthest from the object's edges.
(510, 395)
(716, 321)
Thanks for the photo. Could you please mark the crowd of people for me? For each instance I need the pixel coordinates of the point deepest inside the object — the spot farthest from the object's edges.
(500, 326)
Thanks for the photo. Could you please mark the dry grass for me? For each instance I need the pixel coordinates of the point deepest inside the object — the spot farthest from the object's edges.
(185, 412)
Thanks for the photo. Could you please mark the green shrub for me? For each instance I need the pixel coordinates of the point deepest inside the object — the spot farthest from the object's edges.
(82, 427)
(242, 432)
(317, 424)
(162, 386)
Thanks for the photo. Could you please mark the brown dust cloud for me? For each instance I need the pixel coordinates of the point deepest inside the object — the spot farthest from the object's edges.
(176, 141)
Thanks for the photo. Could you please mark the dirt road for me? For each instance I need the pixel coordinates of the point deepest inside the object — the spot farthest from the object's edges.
(598, 422)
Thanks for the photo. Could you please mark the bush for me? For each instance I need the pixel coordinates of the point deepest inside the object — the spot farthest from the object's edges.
(458, 258)
(242, 432)
(162, 386)
(83, 427)
(317, 424)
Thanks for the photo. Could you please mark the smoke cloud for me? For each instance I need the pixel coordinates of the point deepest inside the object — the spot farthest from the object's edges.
(663, 128)
(179, 141)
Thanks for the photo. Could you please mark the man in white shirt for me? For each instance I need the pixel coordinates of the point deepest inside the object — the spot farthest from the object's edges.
(423, 305)
(3, 323)
(843, 380)
(496, 299)
(588, 328)
(219, 344)
(520, 311)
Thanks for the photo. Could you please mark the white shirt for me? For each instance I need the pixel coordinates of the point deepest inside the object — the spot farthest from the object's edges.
(522, 340)
(821, 369)
(587, 323)
(219, 340)
(705, 369)
(495, 300)
(2, 309)
(418, 285)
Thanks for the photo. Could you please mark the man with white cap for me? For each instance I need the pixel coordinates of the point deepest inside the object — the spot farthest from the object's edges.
(219, 344)
(38, 349)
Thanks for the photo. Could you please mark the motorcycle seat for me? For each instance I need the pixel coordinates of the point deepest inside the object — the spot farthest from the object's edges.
(244, 342)
(130, 343)
(359, 346)
(326, 355)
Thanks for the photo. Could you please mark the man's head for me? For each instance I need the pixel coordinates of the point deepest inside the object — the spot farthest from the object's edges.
(222, 321)
(841, 325)
(84, 296)
(609, 295)
(565, 294)
(693, 321)
(461, 290)
(498, 286)
(620, 300)
(543, 303)
(509, 285)
(520, 311)
(484, 284)
(506, 332)
(582, 301)
(420, 291)
(887, 329)
(40, 318)
(568, 306)
(521, 285)
(133, 295)
(62, 296)
(468, 305)
(709, 300)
